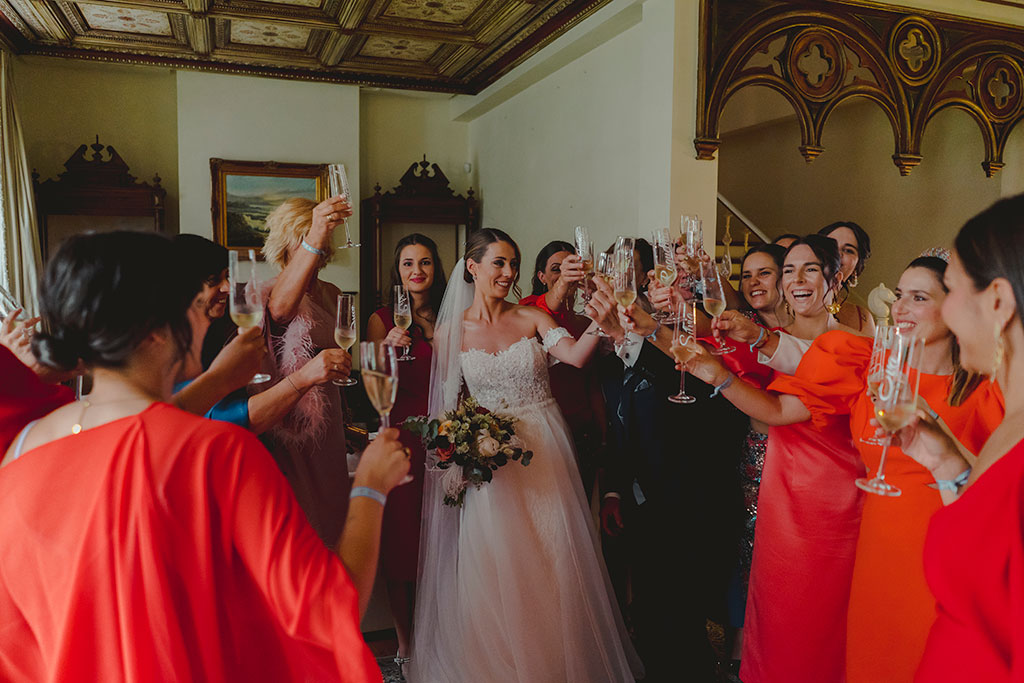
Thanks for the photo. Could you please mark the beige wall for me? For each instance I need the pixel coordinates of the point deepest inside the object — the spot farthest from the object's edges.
(764, 175)
(64, 103)
(398, 128)
(604, 140)
(261, 119)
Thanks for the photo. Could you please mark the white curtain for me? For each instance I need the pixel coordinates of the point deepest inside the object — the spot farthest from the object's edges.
(20, 259)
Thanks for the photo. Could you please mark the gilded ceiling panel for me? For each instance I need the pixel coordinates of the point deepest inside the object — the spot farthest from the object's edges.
(269, 34)
(399, 48)
(108, 18)
(440, 11)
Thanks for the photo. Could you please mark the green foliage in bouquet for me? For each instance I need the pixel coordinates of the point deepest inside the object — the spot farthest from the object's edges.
(472, 439)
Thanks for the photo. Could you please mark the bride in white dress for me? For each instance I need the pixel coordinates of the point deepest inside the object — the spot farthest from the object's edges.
(512, 587)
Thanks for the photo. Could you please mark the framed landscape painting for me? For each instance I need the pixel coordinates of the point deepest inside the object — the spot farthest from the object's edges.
(244, 192)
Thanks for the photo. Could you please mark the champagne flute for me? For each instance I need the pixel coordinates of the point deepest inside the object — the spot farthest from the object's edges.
(625, 277)
(664, 266)
(380, 378)
(345, 331)
(714, 300)
(585, 250)
(684, 345)
(605, 270)
(895, 403)
(884, 335)
(244, 303)
(401, 310)
(7, 303)
(338, 181)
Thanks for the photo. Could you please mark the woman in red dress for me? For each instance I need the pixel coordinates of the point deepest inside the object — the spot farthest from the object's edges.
(974, 551)
(142, 542)
(418, 268)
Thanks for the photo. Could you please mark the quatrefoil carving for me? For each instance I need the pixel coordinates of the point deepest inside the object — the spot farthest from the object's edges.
(1001, 88)
(915, 50)
(815, 65)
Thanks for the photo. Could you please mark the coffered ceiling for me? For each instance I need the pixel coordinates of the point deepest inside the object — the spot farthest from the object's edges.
(459, 46)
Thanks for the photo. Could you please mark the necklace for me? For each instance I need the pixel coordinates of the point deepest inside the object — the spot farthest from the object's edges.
(86, 404)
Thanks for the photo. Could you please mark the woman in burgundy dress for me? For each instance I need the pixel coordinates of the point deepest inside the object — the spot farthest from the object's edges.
(418, 268)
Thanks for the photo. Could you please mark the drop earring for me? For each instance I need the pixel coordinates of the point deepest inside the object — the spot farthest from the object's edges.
(997, 359)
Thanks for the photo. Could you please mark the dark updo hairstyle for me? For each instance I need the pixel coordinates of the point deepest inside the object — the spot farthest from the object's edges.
(205, 260)
(777, 253)
(991, 246)
(785, 236)
(963, 382)
(550, 249)
(863, 243)
(102, 294)
(476, 248)
(825, 250)
(440, 282)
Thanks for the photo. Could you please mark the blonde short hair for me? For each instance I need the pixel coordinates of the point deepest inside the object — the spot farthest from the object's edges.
(287, 225)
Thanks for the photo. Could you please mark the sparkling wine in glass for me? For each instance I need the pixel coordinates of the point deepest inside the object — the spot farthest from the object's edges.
(401, 307)
(714, 300)
(338, 182)
(684, 345)
(884, 335)
(380, 379)
(605, 270)
(345, 331)
(664, 265)
(244, 303)
(895, 402)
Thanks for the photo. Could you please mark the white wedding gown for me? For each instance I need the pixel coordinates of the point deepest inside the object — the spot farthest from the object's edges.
(519, 592)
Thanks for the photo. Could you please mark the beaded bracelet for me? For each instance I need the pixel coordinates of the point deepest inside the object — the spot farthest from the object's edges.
(311, 249)
(367, 492)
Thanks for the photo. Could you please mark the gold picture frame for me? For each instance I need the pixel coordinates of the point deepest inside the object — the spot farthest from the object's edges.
(244, 192)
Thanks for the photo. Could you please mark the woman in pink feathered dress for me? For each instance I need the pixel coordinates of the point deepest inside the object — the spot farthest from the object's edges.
(309, 444)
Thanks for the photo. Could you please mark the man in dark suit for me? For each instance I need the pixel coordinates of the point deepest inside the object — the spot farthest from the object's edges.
(673, 501)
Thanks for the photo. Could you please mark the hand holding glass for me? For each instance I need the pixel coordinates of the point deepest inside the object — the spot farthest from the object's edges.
(401, 309)
(895, 402)
(338, 183)
(245, 305)
(345, 331)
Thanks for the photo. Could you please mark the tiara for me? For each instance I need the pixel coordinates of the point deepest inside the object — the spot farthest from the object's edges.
(937, 252)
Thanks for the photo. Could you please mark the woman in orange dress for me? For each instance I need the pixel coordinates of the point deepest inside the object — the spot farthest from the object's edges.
(891, 608)
(974, 550)
(145, 543)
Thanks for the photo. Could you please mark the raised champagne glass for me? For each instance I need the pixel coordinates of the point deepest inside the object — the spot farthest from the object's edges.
(884, 335)
(245, 305)
(714, 300)
(895, 402)
(345, 331)
(379, 363)
(338, 182)
(684, 344)
(401, 310)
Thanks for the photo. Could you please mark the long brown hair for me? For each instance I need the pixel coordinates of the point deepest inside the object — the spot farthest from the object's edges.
(964, 381)
(440, 282)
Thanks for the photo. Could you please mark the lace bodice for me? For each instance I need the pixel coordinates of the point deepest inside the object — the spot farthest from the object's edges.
(511, 377)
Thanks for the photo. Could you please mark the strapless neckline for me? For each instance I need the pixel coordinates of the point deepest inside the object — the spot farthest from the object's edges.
(499, 352)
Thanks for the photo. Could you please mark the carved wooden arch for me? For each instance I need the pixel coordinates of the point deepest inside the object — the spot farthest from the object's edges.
(820, 54)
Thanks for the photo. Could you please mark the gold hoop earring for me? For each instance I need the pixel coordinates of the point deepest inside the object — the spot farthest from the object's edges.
(854, 281)
(997, 360)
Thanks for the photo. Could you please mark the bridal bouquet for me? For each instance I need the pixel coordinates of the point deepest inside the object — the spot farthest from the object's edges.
(471, 442)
